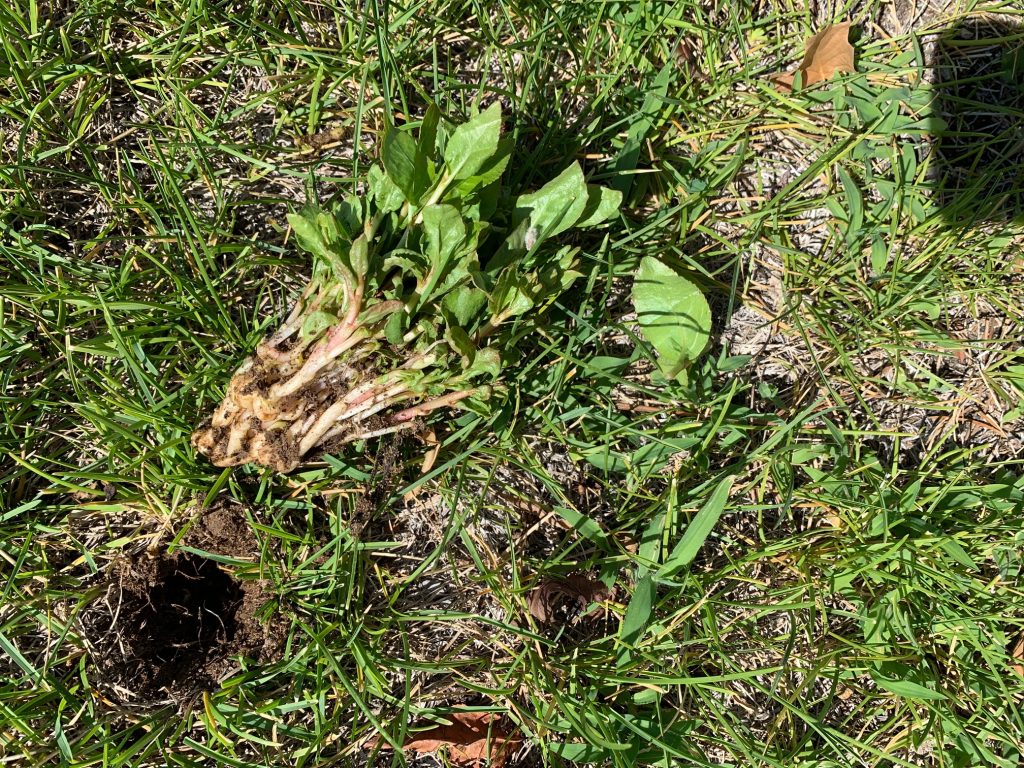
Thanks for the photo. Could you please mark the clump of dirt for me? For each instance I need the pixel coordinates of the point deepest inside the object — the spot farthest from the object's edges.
(172, 625)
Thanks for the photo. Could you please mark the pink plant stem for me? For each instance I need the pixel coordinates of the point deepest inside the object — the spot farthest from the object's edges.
(339, 339)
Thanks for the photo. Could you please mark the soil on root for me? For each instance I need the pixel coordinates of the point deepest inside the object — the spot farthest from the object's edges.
(171, 625)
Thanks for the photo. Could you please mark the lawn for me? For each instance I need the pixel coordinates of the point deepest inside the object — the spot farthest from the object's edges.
(808, 553)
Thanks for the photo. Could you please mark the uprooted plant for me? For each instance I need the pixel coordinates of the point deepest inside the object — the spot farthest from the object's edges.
(413, 284)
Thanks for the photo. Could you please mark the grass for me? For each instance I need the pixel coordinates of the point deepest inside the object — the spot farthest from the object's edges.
(859, 599)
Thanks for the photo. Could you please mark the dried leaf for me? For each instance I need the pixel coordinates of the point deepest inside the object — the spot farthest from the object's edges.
(688, 58)
(546, 597)
(434, 448)
(473, 738)
(429, 438)
(1018, 654)
(828, 52)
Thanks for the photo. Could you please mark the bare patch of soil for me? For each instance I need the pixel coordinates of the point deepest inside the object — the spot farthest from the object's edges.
(171, 625)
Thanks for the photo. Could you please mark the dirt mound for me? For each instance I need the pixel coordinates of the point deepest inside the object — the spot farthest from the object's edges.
(171, 625)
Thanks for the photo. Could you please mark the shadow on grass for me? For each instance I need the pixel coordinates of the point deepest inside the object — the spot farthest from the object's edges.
(979, 151)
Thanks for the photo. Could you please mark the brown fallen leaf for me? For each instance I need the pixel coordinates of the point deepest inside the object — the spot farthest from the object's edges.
(471, 739)
(546, 596)
(433, 448)
(429, 438)
(687, 55)
(319, 142)
(827, 53)
(1018, 655)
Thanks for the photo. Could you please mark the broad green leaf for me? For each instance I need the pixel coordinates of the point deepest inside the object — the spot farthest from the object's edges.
(473, 143)
(428, 131)
(581, 753)
(331, 229)
(553, 208)
(316, 323)
(602, 204)
(307, 233)
(359, 256)
(395, 328)
(460, 342)
(489, 173)
(486, 362)
(464, 304)
(384, 191)
(510, 296)
(405, 164)
(638, 615)
(697, 531)
(556, 275)
(444, 231)
(408, 261)
(674, 316)
(348, 214)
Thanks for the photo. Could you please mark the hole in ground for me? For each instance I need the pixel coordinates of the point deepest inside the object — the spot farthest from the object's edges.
(172, 626)
(189, 611)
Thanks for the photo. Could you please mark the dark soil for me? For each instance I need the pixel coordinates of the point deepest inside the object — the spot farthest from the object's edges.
(171, 625)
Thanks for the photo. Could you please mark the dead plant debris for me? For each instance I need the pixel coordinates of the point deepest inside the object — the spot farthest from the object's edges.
(563, 599)
(827, 53)
(471, 739)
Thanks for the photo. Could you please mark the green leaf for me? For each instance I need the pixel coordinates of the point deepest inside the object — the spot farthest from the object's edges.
(489, 173)
(510, 296)
(473, 143)
(331, 230)
(551, 209)
(445, 233)
(464, 304)
(428, 131)
(674, 316)
(405, 164)
(580, 753)
(638, 615)
(585, 526)
(384, 191)
(697, 531)
(602, 204)
(348, 215)
(606, 459)
(395, 327)
(640, 125)
(359, 256)
(486, 362)
(307, 233)
(316, 323)
(905, 688)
